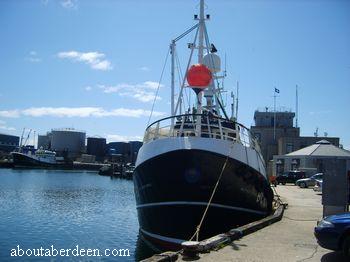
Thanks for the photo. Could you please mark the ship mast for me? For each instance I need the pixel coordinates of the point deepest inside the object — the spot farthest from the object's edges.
(201, 26)
(200, 43)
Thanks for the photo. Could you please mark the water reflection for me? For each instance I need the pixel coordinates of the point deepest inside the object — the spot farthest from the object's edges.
(65, 209)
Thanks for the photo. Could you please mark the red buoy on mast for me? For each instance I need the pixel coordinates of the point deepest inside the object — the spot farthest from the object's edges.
(199, 76)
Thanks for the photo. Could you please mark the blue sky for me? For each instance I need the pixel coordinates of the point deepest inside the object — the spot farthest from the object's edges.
(95, 65)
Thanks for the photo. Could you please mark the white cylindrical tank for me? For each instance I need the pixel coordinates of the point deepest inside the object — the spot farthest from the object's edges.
(70, 140)
(212, 61)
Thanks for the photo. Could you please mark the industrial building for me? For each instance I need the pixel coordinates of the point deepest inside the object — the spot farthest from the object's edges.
(268, 132)
(8, 143)
(134, 149)
(96, 146)
(278, 136)
(44, 141)
(127, 150)
(68, 142)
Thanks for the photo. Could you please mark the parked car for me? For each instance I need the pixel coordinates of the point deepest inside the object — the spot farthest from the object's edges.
(318, 185)
(290, 177)
(310, 181)
(333, 233)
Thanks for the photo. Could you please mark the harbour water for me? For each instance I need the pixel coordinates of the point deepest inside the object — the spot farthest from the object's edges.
(63, 209)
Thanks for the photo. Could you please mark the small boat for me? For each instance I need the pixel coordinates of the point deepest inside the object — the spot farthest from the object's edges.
(200, 173)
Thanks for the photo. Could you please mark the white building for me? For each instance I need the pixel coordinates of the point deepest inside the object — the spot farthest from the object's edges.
(309, 158)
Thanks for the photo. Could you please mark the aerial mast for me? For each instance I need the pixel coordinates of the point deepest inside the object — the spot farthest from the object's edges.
(237, 101)
(274, 114)
(201, 25)
(172, 52)
(232, 106)
(296, 106)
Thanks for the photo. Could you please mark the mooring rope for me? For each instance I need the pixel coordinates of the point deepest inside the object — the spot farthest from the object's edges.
(198, 228)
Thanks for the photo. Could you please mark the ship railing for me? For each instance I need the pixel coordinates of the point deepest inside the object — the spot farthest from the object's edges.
(200, 125)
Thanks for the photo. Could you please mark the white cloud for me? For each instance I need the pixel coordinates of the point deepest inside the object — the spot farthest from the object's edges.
(151, 85)
(144, 92)
(5, 127)
(145, 68)
(95, 60)
(120, 138)
(9, 113)
(88, 88)
(69, 4)
(33, 57)
(78, 112)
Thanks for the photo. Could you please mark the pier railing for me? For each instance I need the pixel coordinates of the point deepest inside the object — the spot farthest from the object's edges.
(200, 125)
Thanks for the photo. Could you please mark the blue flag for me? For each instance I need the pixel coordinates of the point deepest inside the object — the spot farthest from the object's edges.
(277, 90)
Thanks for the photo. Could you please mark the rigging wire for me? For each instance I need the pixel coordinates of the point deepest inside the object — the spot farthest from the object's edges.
(218, 96)
(180, 75)
(188, 66)
(160, 80)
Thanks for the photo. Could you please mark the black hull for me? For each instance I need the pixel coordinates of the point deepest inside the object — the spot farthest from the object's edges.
(172, 190)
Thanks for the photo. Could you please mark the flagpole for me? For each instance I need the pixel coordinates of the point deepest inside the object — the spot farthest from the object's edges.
(274, 115)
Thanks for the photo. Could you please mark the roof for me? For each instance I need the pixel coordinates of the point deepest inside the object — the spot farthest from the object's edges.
(321, 148)
(67, 130)
(4, 134)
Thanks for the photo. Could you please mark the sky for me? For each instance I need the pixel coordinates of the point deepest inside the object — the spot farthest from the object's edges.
(96, 65)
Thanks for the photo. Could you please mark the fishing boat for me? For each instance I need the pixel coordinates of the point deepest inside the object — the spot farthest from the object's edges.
(40, 158)
(198, 173)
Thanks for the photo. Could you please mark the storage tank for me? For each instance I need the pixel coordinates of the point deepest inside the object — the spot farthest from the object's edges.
(96, 146)
(44, 141)
(68, 140)
(213, 62)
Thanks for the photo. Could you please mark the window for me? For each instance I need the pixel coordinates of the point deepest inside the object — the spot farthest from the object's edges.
(295, 164)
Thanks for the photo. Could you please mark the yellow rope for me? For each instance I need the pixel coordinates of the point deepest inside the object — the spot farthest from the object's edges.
(196, 233)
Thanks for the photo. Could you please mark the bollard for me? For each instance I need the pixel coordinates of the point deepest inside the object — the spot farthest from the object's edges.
(190, 249)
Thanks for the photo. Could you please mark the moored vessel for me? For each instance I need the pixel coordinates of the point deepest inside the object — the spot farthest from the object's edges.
(200, 173)
(40, 158)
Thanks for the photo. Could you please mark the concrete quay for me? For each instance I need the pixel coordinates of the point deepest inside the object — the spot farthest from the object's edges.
(290, 239)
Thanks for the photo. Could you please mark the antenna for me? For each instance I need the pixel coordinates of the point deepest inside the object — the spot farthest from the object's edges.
(34, 139)
(274, 115)
(237, 100)
(316, 132)
(296, 106)
(25, 142)
(225, 67)
(20, 143)
(232, 106)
